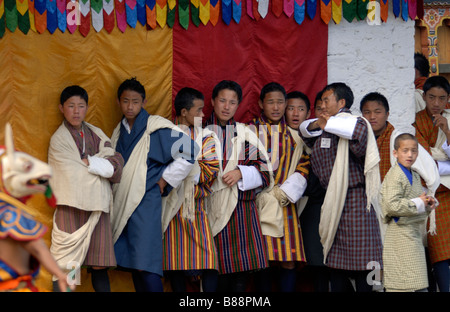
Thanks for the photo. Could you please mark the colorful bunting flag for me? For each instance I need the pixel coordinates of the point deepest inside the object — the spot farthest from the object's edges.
(277, 7)
(171, 10)
(263, 7)
(97, 14)
(31, 14)
(384, 10)
(396, 7)
(73, 15)
(325, 10)
(85, 17)
(349, 9)
(61, 14)
(299, 11)
(108, 15)
(288, 7)
(11, 14)
(150, 8)
(361, 9)
(405, 10)
(336, 10)
(412, 9)
(227, 8)
(52, 18)
(214, 11)
(249, 8)
(255, 10)
(141, 12)
(237, 10)
(131, 13)
(195, 12)
(183, 13)
(23, 16)
(204, 11)
(311, 8)
(40, 15)
(161, 12)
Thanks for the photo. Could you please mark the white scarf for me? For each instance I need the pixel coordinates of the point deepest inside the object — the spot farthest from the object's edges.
(298, 152)
(222, 202)
(337, 187)
(92, 193)
(131, 189)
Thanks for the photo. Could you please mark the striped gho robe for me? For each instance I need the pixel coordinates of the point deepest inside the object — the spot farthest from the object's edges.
(189, 245)
(357, 240)
(439, 244)
(240, 244)
(280, 145)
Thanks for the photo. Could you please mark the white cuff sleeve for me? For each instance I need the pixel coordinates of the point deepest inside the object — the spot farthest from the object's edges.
(341, 126)
(251, 178)
(419, 204)
(304, 129)
(446, 148)
(444, 167)
(177, 171)
(294, 187)
(100, 166)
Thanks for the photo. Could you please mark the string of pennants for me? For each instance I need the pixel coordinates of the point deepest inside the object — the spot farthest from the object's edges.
(70, 15)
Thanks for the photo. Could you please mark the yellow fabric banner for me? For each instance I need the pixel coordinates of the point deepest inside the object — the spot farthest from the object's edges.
(35, 68)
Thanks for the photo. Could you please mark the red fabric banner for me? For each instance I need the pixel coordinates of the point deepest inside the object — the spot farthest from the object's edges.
(252, 53)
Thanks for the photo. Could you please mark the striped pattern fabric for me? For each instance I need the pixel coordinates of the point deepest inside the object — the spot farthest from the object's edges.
(439, 244)
(101, 248)
(280, 145)
(240, 244)
(357, 241)
(189, 245)
(383, 143)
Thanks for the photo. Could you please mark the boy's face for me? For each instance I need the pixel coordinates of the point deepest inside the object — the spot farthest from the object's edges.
(407, 153)
(330, 105)
(273, 105)
(435, 99)
(296, 112)
(74, 110)
(225, 105)
(130, 103)
(377, 116)
(318, 108)
(193, 116)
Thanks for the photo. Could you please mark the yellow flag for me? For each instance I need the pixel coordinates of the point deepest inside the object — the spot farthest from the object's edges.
(336, 9)
(204, 11)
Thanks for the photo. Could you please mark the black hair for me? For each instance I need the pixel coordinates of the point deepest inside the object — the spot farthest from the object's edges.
(74, 90)
(230, 85)
(403, 137)
(272, 87)
(185, 99)
(341, 92)
(131, 84)
(436, 81)
(301, 96)
(374, 97)
(421, 64)
(318, 97)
